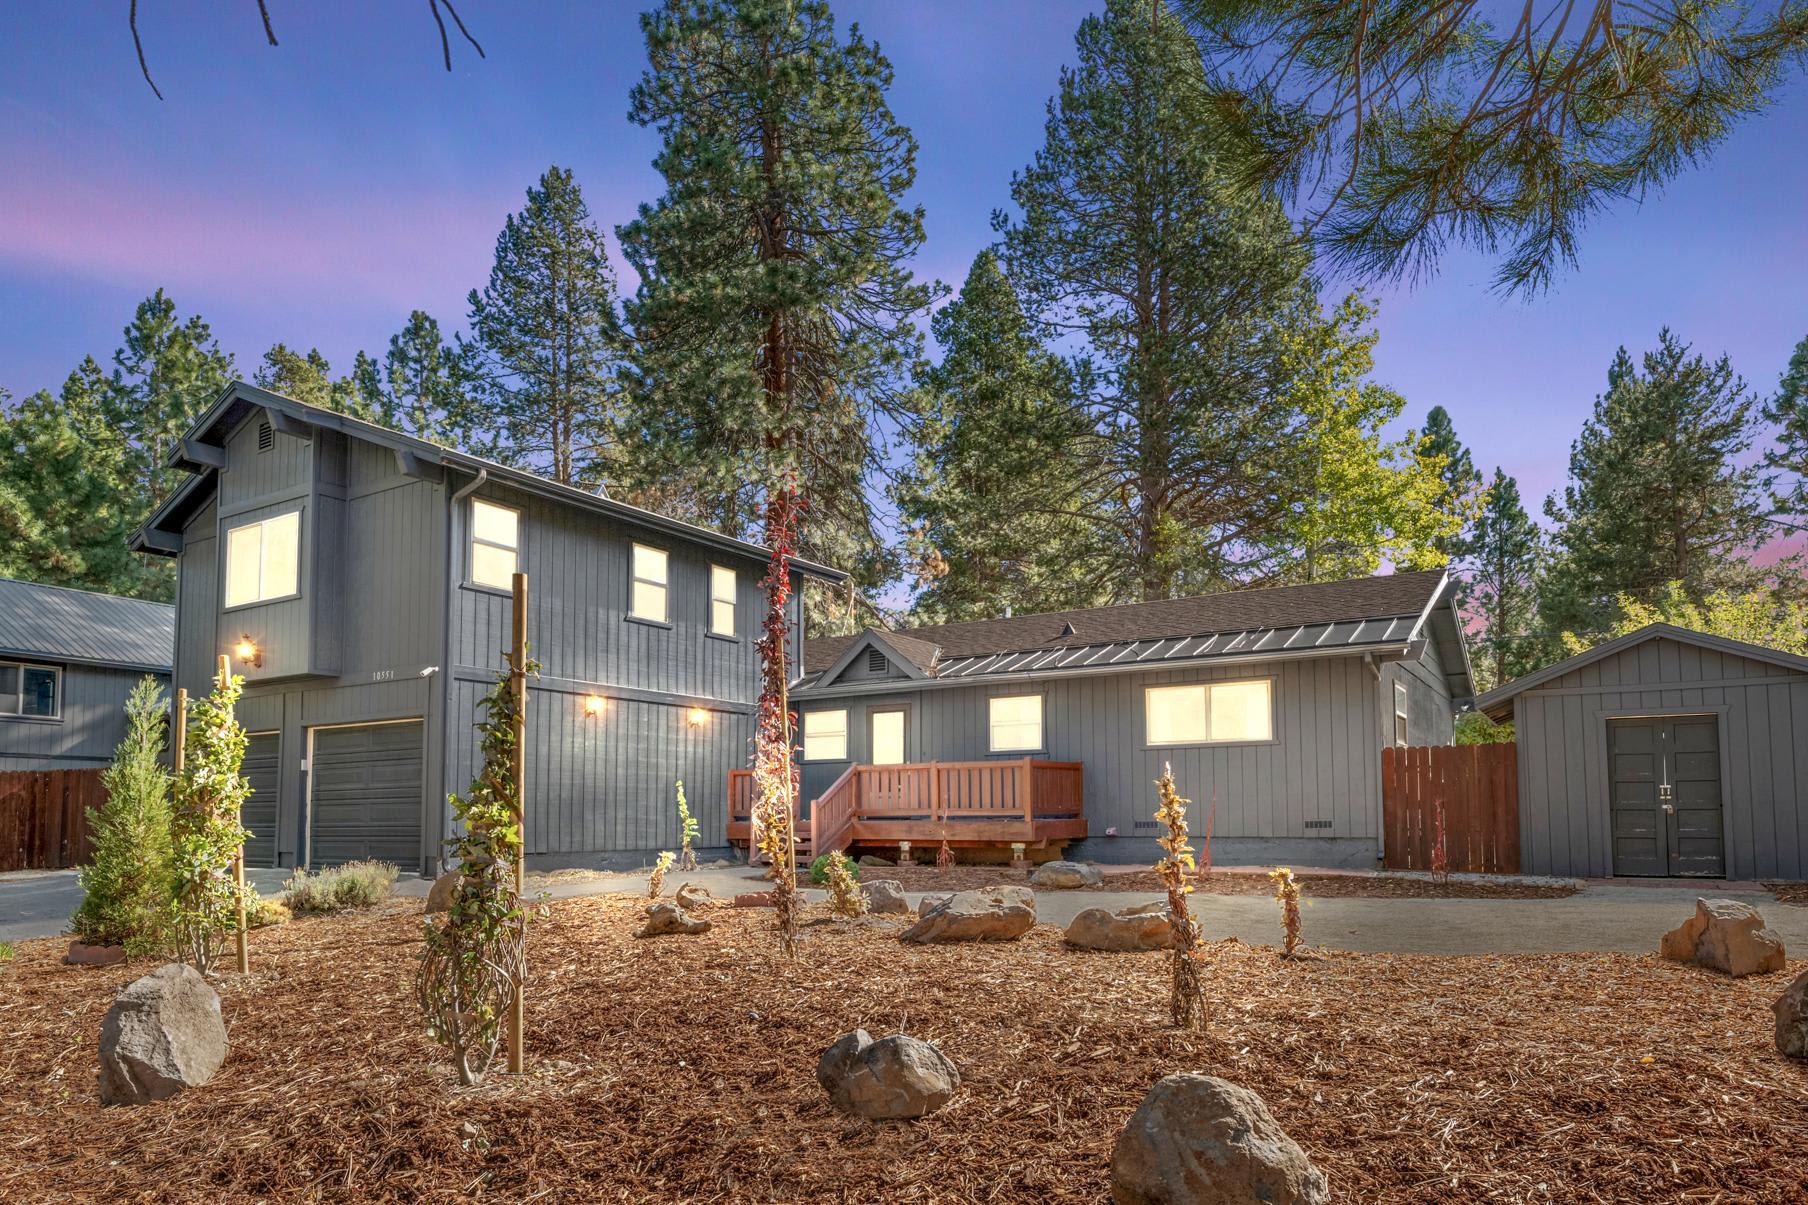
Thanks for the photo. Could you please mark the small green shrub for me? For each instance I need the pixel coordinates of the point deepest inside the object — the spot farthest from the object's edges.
(819, 870)
(6, 951)
(261, 913)
(340, 889)
(128, 883)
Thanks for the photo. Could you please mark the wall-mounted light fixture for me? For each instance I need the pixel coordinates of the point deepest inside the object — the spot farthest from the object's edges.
(595, 705)
(248, 652)
(696, 717)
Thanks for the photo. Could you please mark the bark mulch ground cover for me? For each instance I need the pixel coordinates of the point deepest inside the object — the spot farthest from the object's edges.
(1789, 893)
(681, 1069)
(963, 878)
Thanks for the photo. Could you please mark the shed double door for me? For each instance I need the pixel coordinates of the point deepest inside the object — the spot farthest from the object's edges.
(1667, 817)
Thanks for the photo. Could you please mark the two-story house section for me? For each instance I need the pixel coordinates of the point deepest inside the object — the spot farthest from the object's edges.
(360, 579)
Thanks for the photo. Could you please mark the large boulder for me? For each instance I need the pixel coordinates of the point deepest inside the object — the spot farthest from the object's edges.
(929, 903)
(163, 1034)
(1066, 876)
(1792, 1018)
(895, 1077)
(1200, 1140)
(1725, 936)
(444, 890)
(1138, 928)
(990, 914)
(693, 898)
(666, 917)
(885, 896)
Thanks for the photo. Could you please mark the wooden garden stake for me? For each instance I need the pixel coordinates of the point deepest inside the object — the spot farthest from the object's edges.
(180, 742)
(238, 859)
(518, 1008)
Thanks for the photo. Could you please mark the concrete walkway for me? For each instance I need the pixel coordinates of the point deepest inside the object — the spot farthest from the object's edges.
(1604, 916)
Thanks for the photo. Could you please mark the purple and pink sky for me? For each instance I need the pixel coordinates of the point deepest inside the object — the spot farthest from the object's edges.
(316, 192)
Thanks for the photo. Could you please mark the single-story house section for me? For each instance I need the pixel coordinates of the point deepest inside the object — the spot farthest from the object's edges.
(1664, 752)
(360, 581)
(1272, 705)
(68, 660)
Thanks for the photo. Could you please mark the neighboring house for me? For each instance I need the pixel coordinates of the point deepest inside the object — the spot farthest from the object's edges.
(1272, 704)
(68, 659)
(1664, 752)
(360, 578)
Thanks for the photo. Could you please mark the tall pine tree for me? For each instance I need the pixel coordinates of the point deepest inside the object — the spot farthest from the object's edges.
(1789, 457)
(1462, 480)
(1501, 560)
(306, 378)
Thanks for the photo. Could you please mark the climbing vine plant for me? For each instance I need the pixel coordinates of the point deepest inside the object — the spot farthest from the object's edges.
(774, 773)
(1185, 1008)
(475, 956)
(205, 832)
(688, 832)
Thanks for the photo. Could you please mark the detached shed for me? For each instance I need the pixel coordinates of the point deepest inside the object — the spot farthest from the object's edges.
(1666, 752)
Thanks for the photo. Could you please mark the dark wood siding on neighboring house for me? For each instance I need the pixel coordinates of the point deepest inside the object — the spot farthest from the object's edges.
(92, 724)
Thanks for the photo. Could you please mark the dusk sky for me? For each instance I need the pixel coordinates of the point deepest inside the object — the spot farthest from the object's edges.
(317, 192)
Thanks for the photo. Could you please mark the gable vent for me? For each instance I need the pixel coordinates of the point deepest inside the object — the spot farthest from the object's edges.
(266, 438)
(876, 662)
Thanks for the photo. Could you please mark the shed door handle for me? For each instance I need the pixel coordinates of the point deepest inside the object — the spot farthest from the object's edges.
(1669, 809)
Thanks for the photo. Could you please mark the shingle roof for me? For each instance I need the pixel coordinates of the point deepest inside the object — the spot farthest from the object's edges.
(59, 624)
(1277, 608)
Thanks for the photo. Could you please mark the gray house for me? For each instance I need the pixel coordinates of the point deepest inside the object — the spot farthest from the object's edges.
(68, 659)
(1664, 752)
(1275, 703)
(359, 579)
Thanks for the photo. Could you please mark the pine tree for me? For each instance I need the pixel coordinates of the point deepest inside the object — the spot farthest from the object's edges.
(427, 384)
(305, 378)
(1501, 560)
(62, 515)
(993, 500)
(545, 342)
(1789, 458)
(1462, 480)
(129, 880)
(774, 321)
(167, 372)
(1658, 490)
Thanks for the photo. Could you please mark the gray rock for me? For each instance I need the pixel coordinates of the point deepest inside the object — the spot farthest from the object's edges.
(1199, 1140)
(929, 903)
(874, 860)
(666, 917)
(838, 1059)
(1792, 1018)
(893, 1078)
(693, 898)
(1725, 936)
(990, 914)
(162, 1035)
(1138, 928)
(885, 896)
(1065, 876)
(445, 888)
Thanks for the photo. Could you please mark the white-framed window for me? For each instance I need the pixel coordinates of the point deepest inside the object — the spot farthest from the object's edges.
(825, 735)
(646, 594)
(495, 544)
(32, 691)
(1014, 723)
(263, 559)
(1208, 713)
(1400, 713)
(722, 582)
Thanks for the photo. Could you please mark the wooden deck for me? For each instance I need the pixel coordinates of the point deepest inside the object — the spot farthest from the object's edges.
(968, 804)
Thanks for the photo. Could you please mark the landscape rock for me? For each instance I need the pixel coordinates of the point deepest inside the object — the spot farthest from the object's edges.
(930, 903)
(1792, 1018)
(692, 897)
(1138, 928)
(753, 899)
(665, 917)
(893, 1078)
(1200, 1140)
(163, 1034)
(1725, 936)
(84, 955)
(989, 914)
(439, 898)
(885, 896)
(874, 860)
(1066, 876)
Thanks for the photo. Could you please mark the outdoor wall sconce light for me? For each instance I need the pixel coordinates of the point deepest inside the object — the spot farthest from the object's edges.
(249, 652)
(696, 716)
(595, 705)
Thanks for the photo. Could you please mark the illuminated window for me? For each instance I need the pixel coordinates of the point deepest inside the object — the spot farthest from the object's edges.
(825, 735)
(721, 600)
(888, 738)
(1015, 723)
(1209, 713)
(647, 595)
(263, 559)
(495, 544)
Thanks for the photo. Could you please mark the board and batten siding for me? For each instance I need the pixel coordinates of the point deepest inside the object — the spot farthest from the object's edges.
(1323, 768)
(92, 724)
(1561, 732)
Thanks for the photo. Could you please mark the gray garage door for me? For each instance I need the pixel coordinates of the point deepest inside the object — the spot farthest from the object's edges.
(1667, 816)
(365, 787)
(260, 768)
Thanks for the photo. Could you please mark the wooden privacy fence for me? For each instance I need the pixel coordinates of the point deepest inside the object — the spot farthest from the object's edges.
(1479, 787)
(44, 817)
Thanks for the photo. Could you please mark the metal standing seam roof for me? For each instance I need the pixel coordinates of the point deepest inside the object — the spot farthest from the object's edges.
(56, 623)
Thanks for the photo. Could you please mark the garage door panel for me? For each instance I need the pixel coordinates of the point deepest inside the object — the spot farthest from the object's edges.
(262, 769)
(367, 785)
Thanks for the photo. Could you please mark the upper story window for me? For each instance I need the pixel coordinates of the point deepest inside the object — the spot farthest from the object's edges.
(1015, 723)
(721, 600)
(1399, 713)
(1209, 713)
(647, 596)
(825, 735)
(263, 559)
(495, 544)
(34, 691)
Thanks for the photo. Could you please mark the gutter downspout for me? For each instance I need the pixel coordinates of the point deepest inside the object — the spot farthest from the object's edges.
(483, 475)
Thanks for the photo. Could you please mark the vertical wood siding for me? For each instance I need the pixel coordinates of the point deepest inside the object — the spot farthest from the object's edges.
(1561, 728)
(92, 724)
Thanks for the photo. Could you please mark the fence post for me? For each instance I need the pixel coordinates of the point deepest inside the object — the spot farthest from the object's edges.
(518, 685)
